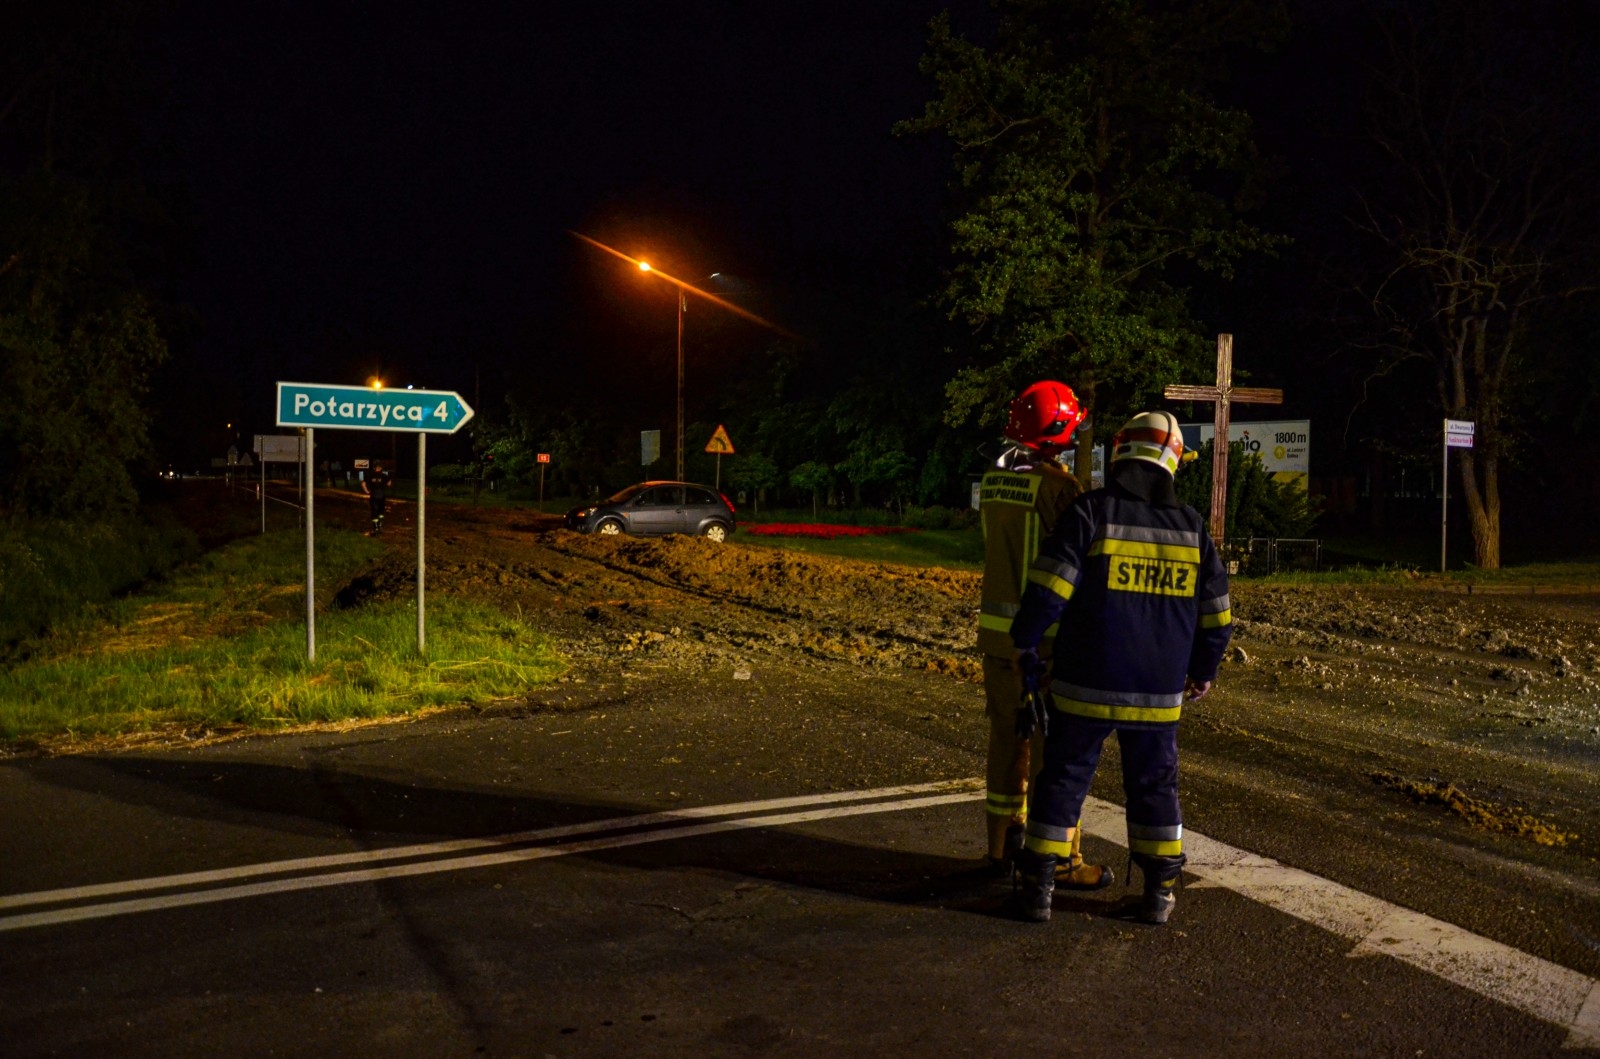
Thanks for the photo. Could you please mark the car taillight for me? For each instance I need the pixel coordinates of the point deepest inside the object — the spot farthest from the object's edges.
(725, 500)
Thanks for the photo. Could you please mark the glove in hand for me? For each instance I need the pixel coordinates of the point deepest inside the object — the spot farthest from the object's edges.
(1030, 667)
(1033, 714)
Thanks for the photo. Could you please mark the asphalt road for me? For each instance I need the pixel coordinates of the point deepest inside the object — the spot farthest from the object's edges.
(353, 893)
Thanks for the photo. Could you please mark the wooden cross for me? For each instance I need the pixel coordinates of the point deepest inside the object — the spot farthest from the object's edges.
(1223, 394)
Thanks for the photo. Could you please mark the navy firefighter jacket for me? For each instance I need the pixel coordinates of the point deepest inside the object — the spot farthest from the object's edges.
(1143, 603)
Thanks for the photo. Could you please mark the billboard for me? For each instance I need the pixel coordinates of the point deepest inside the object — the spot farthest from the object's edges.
(1284, 445)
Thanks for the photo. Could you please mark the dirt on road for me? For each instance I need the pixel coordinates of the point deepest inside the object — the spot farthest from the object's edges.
(1483, 710)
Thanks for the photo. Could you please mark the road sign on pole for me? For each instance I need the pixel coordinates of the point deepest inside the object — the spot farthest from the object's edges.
(278, 448)
(420, 412)
(1458, 434)
(722, 445)
(304, 404)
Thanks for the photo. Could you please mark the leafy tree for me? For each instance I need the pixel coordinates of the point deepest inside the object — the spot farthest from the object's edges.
(1483, 217)
(78, 331)
(753, 471)
(75, 360)
(1093, 163)
(878, 457)
(813, 477)
(1258, 504)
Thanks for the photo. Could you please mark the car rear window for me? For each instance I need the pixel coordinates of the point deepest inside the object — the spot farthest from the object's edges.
(700, 497)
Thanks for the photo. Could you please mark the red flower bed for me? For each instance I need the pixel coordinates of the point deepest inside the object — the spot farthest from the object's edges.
(820, 531)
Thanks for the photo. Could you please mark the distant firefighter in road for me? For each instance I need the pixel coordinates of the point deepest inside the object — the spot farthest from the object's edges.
(1020, 501)
(1134, 581)
(376, 486)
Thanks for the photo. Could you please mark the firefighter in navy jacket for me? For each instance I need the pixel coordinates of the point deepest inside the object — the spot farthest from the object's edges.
(1142, 600)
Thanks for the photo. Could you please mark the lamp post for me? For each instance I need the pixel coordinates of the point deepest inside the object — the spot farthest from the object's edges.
(644, 266)
(684, 289)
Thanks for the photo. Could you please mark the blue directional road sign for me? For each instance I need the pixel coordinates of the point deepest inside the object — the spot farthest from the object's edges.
(308, 404)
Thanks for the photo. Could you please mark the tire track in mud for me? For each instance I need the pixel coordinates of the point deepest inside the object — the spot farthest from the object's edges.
(833, 610)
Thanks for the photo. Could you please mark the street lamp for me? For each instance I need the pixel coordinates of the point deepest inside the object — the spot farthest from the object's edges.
(684, 289)
(376, 382)
(644, 266)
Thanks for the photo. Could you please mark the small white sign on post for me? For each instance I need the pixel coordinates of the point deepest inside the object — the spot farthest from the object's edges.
(279, 448)
(1458, 434)
(275, 448)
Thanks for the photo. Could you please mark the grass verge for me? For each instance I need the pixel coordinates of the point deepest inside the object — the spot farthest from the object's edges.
(221, 645)
(50, 570)
(1551, 577)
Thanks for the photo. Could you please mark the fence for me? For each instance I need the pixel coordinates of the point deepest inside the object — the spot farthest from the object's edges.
(1259, 556)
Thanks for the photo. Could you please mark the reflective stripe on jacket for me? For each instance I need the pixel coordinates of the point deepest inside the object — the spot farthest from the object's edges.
(1018, 510)
(1141, 598)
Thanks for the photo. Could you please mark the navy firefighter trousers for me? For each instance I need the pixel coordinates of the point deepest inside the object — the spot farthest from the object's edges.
(1149, 780)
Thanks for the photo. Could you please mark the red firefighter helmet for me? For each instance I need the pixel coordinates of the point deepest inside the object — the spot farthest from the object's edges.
(1044, 416)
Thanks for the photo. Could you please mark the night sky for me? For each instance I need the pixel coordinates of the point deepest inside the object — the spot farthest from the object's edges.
(388, 188)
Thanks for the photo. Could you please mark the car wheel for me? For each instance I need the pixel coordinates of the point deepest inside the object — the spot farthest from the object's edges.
(715, 531)
(609, 528)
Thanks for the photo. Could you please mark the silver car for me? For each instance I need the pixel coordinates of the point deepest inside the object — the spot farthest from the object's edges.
(653, 508)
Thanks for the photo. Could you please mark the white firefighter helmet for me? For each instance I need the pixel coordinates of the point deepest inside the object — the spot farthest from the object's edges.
(1152, 436)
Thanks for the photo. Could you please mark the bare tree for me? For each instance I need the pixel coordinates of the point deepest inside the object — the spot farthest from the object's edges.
(1486, 187)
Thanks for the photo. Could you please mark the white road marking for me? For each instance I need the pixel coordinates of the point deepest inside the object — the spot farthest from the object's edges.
(484, 860)
(1508, 976)
(461, 845)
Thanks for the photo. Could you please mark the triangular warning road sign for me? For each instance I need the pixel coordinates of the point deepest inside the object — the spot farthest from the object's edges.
(719, 443)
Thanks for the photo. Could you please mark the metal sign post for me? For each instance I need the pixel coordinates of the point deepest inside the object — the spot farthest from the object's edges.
(276, 448)
(420, 412)
(422, 511)
(1457, 435)
(544, 459)
(311, 562)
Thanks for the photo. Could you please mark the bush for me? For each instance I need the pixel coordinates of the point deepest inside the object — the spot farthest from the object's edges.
(50, 569)
(940, 518)
(1258, 504)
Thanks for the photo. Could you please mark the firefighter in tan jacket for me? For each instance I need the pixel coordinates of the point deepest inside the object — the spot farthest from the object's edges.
(1020, 501)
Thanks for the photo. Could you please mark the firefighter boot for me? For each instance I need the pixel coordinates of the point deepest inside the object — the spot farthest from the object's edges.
(1075, 873)
(1036, 875)
(1161, 876)
(1005, 839)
